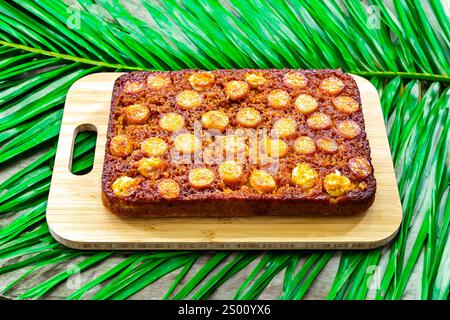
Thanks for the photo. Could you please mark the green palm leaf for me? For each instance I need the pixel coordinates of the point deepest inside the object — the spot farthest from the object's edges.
(402, 47)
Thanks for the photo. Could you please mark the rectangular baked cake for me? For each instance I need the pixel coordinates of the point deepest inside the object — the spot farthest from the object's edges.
(237, 143)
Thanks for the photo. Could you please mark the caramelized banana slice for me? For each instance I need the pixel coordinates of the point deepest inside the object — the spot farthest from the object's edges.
(236, 90)
(304, 145)
(285, 127)
(215, 119)
(304, 176)
(346, 104)
(248, 117)
(276, 148)
(306, 104)
(262, 181)
(201, 81)
(151, 167)
(337, 185)
(360, 167)
(230, 172)
(295, 80)
(158, 82)
(154, 147)
(187, 143)
(124, 186)
(189, 99)
(255, 80)
(349, 129)
(327, 145)
(169, 189)
(137, 114)
(121, 146)
(133, 87)
(332, 85)
(171, 122)
(278, 99)
(319, 121)
(201, 178)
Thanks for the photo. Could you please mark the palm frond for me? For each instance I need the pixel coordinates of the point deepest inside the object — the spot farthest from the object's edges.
(404, 48)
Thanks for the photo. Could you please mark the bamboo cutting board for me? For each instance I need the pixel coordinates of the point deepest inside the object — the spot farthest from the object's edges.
(77, 218)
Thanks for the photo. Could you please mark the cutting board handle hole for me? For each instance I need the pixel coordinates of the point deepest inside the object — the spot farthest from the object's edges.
(83, 149)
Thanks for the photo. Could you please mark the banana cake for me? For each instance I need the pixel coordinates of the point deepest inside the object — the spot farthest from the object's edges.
(237, 143)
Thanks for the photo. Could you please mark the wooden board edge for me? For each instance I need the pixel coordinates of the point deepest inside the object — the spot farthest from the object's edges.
(198, 246)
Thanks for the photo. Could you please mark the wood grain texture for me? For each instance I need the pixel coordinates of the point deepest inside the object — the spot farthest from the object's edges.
(77, 218)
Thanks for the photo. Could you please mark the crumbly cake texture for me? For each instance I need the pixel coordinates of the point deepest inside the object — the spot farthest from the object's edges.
(324, 164)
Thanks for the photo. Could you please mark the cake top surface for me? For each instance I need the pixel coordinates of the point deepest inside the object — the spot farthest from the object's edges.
(237, 134)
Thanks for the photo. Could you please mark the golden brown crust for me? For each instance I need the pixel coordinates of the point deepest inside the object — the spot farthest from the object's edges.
(235, 208)
(237, 199)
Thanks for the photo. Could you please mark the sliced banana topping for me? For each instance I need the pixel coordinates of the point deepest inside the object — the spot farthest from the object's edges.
(332, 85)
(187, 143)
(137, 114)
(124, 186)
(305, 104)
(276, 148)
(231, 172)
(279, 99)
(171, 122)
(285, 127)
(202, 81)
(255, 80)
(346, 104)
(201, 178)
(189, 99)
(121, 146)
(327, 145)
(154, 147)
(304, 145)
(151, 167)
(337, 185)
(360, 167)
(215, 119)
(262, 181)
(158, 82)
(349, 129)
(304, 176)
(168, 189)
(134, 87)
(295, 80)
(248, 117)
(319, 121)
(236, 90)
